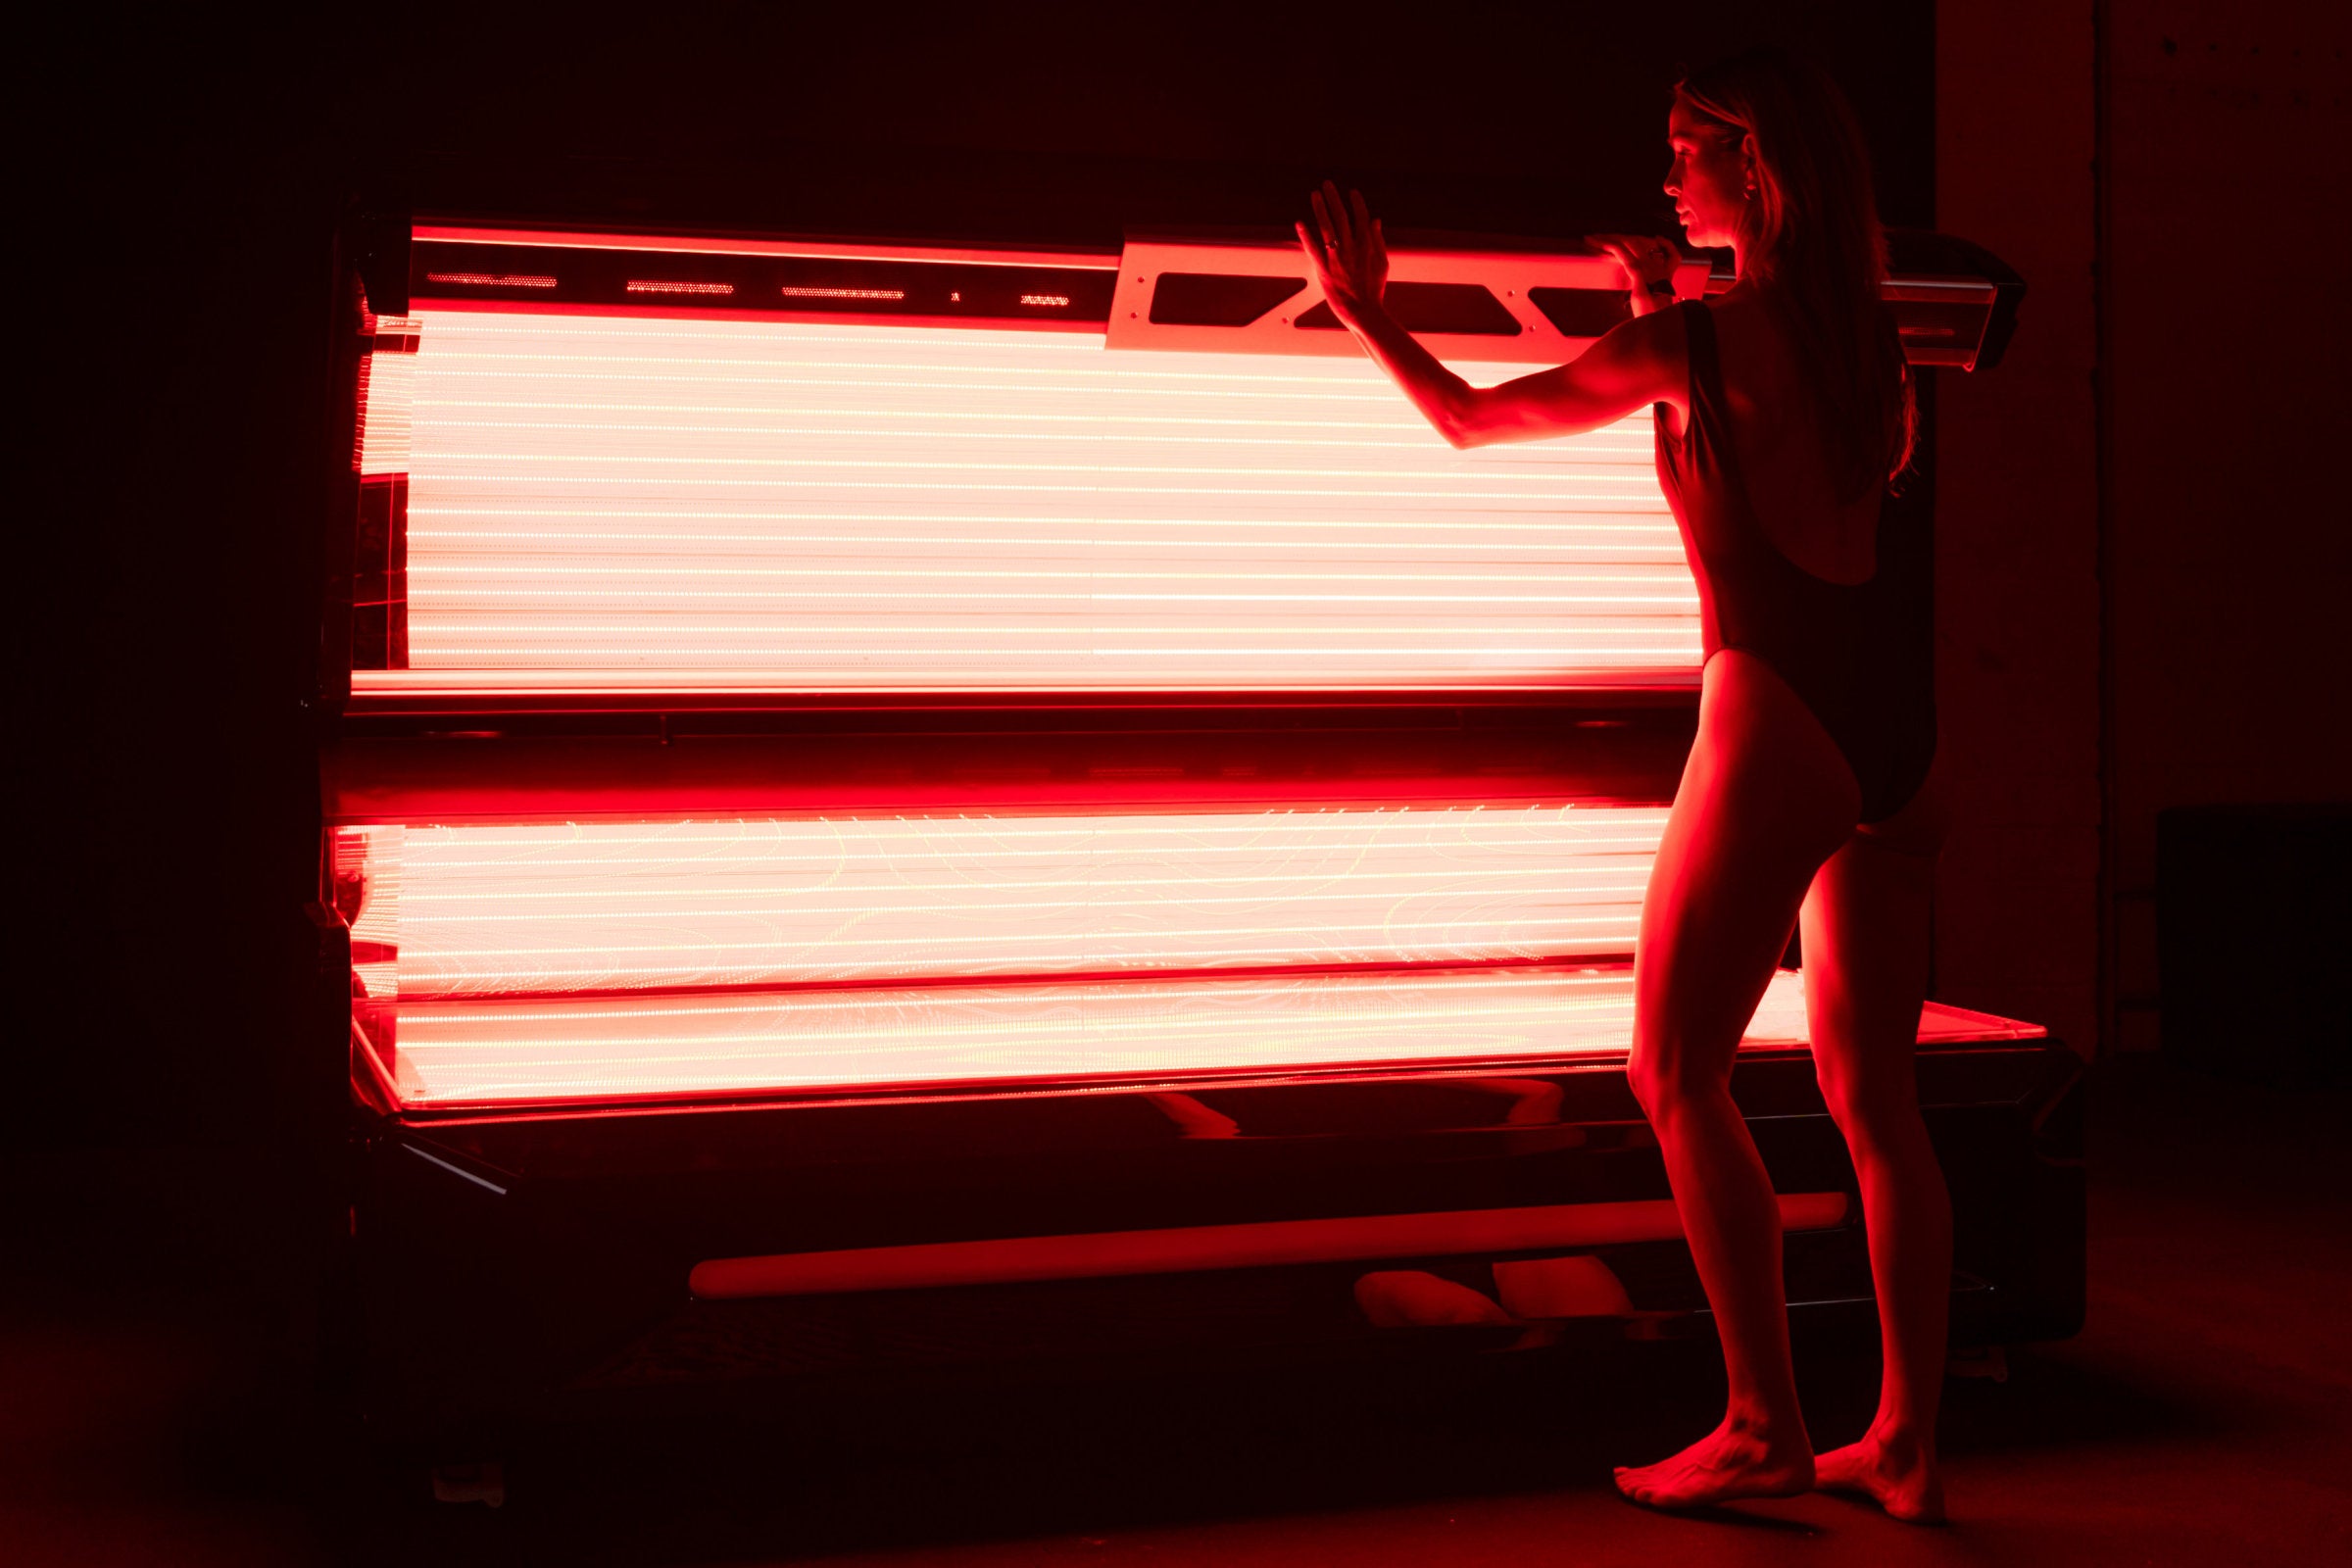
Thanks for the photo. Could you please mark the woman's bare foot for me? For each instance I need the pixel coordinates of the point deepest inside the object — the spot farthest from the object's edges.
(1894, 1469)
(1728, 1463)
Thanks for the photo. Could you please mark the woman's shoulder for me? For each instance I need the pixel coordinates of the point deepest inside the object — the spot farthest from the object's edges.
(1646, 358)
(1663, 335)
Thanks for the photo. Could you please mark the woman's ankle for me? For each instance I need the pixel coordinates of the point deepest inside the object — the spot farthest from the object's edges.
(1770, 1428)
(1901, 1440)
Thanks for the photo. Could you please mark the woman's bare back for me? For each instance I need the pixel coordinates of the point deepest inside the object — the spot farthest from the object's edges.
(1776, 429)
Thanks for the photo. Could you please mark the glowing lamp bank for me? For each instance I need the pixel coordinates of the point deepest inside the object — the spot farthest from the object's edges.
(889, 804)
(675, 504)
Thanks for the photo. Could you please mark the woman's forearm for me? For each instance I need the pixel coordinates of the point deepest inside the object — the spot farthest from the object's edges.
(1632, 365)
(1444, 398)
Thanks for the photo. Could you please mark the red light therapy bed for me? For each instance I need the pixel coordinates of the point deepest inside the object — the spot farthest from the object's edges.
(873, 780)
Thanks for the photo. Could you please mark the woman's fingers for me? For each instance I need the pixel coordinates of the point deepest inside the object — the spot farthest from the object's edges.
(1353, 255)
(1336, 212)
(1317, 259)
(1616, 251)
(1347, 222)
(1328, 220)
(1638, 256)
(1633, 244)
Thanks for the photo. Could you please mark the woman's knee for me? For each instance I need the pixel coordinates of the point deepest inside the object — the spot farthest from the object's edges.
(1664, 1079)
(1869, 1104)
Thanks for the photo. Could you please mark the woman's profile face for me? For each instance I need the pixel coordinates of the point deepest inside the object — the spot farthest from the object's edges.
(1708, 178)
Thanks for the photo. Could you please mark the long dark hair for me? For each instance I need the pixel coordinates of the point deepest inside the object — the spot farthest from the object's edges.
(1811, 240)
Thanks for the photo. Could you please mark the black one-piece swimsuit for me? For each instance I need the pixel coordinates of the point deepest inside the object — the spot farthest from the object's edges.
(1861, 656)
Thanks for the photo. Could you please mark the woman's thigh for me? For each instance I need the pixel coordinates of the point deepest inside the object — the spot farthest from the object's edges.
(1865, 925)
(1764, 799)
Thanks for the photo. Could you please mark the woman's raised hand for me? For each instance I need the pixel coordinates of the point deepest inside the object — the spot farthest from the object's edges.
(1644, 259)
(1349, 257)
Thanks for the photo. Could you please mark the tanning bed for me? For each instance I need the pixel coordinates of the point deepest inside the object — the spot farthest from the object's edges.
(890, 807)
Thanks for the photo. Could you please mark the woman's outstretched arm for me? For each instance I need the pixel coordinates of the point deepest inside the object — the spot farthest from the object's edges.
(1639, 363)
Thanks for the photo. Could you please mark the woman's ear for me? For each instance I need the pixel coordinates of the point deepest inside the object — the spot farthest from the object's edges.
(1748, 159)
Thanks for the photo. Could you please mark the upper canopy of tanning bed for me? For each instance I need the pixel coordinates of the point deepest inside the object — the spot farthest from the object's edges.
(1517, 300)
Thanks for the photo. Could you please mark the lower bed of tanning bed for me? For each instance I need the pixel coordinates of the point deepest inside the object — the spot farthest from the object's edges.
(482, 1055)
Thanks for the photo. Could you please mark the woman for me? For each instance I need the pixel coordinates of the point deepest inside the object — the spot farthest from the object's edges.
(1784, 410)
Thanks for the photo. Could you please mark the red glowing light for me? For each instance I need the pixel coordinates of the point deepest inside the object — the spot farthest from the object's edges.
(555, 1052)
(602, 503)
(532, 910)
(388, 393)
(689, 504)
(493, 279)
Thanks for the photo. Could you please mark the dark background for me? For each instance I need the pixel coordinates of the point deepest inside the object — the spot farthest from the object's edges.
(167, 631)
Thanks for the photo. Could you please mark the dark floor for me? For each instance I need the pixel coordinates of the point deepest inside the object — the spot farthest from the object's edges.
(152, 1406)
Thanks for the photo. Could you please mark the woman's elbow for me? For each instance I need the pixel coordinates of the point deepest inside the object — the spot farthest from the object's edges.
(1462, 429)
(1450, 426)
